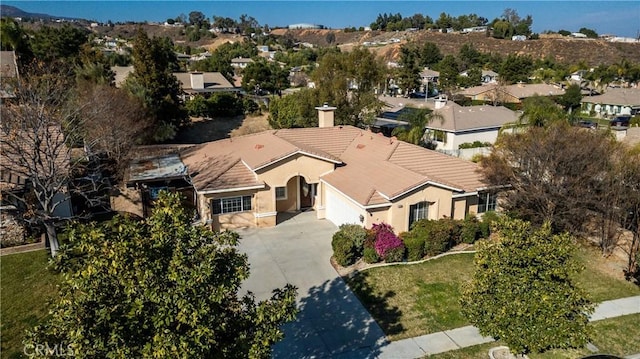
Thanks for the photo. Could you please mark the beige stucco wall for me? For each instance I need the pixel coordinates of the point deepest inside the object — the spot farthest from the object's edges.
(310, 168)
(291, 202)
(459, 208)
(264, 205)
(230, 220)
(440, 207)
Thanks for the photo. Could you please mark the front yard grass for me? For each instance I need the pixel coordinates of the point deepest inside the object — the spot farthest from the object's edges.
(27, 288)
(427, 294)
(616, 336)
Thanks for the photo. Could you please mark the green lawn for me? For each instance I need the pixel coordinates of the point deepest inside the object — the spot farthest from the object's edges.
(618, 336)
(27, 288)
(413, 300)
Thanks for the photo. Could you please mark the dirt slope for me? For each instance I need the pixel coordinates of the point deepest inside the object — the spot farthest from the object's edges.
(567, 50)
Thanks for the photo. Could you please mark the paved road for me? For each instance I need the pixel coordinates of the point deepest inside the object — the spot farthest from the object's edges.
(332, 322)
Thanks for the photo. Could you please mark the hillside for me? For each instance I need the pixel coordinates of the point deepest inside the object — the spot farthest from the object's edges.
(568, 50)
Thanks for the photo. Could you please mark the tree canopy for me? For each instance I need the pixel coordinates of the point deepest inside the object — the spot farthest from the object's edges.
(154, 83)
(522, 291)
(160, 288)
(555, 173)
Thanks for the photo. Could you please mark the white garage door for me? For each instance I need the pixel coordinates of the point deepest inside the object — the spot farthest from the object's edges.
(339, 211)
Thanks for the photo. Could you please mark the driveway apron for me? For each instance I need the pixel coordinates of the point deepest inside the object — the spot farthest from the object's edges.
(332, 323)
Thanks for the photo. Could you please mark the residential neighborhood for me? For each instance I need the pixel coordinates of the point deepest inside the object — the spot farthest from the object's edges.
(427, 186)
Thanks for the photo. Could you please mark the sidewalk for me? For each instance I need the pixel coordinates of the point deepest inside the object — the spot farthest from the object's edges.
(468, 336)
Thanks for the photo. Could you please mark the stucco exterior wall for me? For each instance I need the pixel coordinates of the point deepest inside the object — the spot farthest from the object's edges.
(229, 220)
(291, 202)
(310, 168)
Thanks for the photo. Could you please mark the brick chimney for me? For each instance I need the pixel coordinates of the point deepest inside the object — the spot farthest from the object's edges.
(197, 80)
(325, 115)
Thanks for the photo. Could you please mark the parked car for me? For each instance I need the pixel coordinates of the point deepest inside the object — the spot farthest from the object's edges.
(588, 124)
(417, 95)
(620, 121)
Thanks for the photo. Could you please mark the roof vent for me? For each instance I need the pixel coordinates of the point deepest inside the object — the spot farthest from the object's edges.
(360, 146)
(258, 146)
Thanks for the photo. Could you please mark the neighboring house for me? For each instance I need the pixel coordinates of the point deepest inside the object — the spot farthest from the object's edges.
(429, 76)
(467, 124)
(489, 77)
(511, 93)
(346, 174)
(8, 73)
(240, 62)
(614, 101)
(203, 83)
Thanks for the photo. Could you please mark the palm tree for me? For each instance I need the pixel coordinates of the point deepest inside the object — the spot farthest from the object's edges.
(417, 119)
(539, 111)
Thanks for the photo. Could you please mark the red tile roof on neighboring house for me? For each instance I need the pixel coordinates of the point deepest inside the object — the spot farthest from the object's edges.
(372, 169)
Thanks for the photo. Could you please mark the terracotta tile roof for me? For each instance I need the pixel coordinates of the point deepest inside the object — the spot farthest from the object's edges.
(439, 168)
(212, 159)
(332, 140)
(457, 118)
(616, 96)
(372, 169)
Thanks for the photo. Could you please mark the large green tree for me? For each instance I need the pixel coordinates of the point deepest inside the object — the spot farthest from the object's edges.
(64, 42)
(522, 291)
(541, 111)
(265, 75)
(153, 82)
(159, 288)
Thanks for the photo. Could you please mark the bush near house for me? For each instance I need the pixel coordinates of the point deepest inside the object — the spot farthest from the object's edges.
(426, 237)
(388, 246)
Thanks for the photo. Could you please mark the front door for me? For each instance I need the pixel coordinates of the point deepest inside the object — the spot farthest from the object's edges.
(307, 192)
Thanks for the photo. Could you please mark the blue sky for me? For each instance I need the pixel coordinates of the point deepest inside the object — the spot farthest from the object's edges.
(612, 17)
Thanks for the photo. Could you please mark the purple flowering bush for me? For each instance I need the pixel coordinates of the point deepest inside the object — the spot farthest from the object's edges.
(388, 246)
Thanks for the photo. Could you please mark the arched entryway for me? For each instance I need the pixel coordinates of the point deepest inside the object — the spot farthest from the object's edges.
(298, 194)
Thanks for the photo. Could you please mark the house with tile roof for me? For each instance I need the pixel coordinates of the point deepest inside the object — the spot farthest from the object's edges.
(614, 101)
(511, 93)
(467, 124)
(346, 174)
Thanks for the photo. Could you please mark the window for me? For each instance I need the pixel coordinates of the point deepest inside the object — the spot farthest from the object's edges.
(486, 202)
(281, 193)
(418, 211)
(231, 204)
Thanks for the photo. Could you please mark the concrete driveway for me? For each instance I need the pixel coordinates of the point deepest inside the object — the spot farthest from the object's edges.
(332, 323)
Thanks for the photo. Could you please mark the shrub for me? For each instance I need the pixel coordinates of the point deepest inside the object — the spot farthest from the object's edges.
(370, 255)
(437, 235)
(343, 249)
(394, 254)
(385, 239)
(357, 235)
(488, 218)
(470, 231)
(414, 245)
